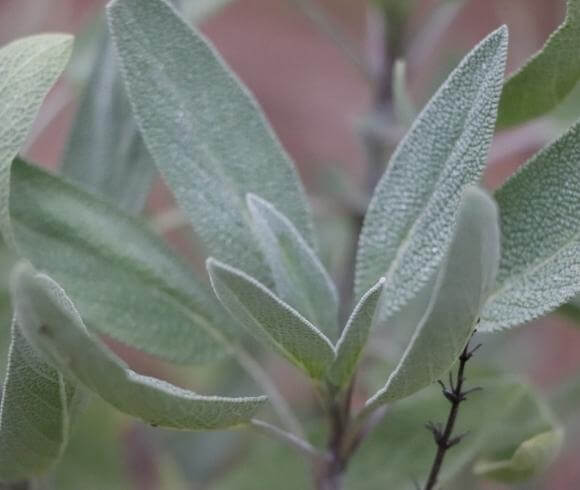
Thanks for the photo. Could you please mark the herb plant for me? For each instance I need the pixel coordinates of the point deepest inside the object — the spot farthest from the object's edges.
(438, 258)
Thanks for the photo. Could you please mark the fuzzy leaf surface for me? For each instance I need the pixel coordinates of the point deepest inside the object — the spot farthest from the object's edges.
(540, 223)
(205, 132)
(300, 279)
(354, 336)
(51, 323)
(105, 152)
(547, 77)
(410, 220)
(29, 67)
(34, 419)
(270, 320)
(464, 282)
(124, 279)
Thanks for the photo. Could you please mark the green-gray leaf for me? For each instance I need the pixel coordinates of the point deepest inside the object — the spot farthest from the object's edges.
(540, 223)
(34, 419)
(464, 282)
(29, 68)
(124, 280)
(409, 223)
(270, 320)
(105, 151)
(51, 323)
(205, 132)
(299, 277)
(547, 77)
(531, 458)
(354, 336)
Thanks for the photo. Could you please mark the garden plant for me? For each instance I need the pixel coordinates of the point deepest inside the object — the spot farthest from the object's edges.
(441, 266)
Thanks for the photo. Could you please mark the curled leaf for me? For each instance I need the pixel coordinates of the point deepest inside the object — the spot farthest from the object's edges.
(53, 326)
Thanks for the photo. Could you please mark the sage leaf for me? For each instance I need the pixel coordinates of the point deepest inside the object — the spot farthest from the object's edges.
(530, 459)
(105, 151)
(540, 223)
(33, 410)
(409, 223)
(465, 280)
(51, 323)
(299, 276)
(547, 77)
(29, 67)
(124, 279)
(270, 320)
(206, 134)
(354, 336)
(34, 418)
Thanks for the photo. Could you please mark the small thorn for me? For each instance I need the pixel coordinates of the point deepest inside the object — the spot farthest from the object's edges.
(471, 390)
(468, 354)
(435, 429)
(456, 440)
(442, 384)
(472, 351)
(451, 384)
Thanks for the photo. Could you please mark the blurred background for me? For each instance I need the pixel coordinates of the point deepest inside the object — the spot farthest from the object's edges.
(323, 72)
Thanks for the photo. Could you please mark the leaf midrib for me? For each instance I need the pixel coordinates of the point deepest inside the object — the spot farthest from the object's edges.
(411, 230)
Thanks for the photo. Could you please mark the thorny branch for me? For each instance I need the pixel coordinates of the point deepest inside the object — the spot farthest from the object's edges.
(443, 436)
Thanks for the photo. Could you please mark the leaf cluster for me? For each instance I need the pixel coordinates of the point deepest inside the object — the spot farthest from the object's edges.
(437, 256)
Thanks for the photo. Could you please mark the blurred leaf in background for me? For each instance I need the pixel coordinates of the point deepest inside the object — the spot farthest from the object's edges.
(547, 77)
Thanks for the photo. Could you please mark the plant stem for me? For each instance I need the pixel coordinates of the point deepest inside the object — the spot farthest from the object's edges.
(283, 410)
(287, 438)
(329, 475)
(443, 437)
(336, 34)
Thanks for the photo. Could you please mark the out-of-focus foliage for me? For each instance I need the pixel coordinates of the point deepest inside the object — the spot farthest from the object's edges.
(547, 77)
(105, 151)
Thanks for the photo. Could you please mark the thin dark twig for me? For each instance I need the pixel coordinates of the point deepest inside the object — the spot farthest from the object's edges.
(443, 436)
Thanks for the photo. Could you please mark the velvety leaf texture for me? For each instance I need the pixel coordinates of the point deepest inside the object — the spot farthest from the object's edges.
(410, 220)
(540, 223)
(548, 76)
(205, 132)
(124, 280)
(270, 320)
(51, 323)
(354, 336)
(29, 68)
(299, 276)
(105, 151)
(33, 410)
(33, 413)
(465, 280)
